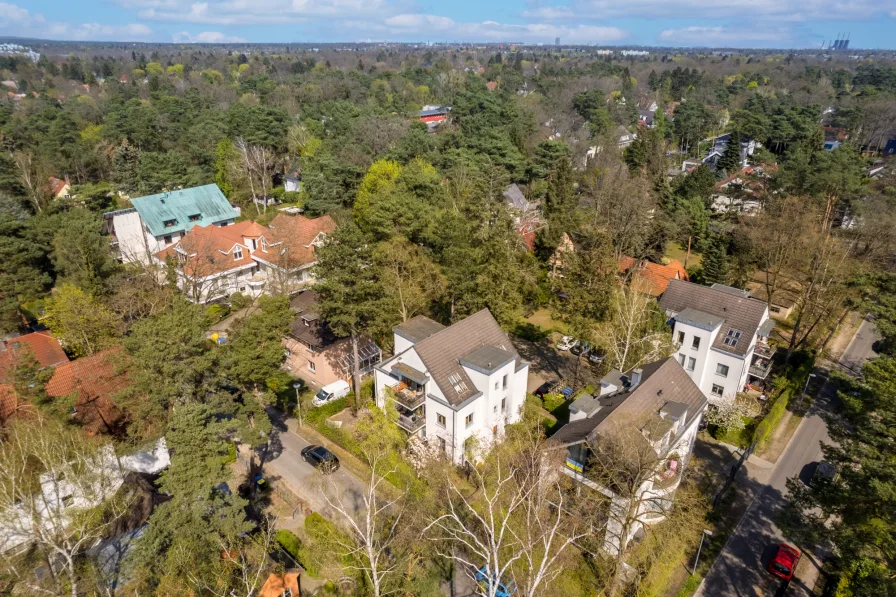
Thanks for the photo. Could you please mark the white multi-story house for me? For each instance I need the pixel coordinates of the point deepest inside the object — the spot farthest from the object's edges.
(457, 386)
(657, 410)
(156, 222)
(721, 336)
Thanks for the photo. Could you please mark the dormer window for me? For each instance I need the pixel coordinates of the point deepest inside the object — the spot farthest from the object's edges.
(237, 253)
(169, 223)
(195, 217)
(264, 245)
(732, 337)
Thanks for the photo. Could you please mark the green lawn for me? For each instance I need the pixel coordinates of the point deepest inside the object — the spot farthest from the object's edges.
(542, 319)
(676, 251)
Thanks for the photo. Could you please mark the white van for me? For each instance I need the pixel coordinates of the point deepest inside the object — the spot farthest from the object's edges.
(330, 392)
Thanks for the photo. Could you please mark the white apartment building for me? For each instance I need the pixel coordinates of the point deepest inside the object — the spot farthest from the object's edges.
(657, 404)
(721, 336)
(457, 386)
(156, 222)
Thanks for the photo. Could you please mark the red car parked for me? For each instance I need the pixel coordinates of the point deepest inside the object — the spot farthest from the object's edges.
(785, 562)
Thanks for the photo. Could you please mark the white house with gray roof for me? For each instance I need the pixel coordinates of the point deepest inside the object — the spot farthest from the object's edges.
(721, 336)
(657, 405)
(457, 386)
(156, 222)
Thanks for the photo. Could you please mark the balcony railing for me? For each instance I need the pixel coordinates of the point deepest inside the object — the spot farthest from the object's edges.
(408, 398)
(411, 424)
(765, 351)
(760, 369)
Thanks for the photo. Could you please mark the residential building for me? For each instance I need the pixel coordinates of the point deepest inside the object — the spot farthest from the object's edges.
(784, 296)
(285, 584)
(43, 347)
(657, 275)
(720, 334)
(315, 354)
(527, 216)
(214, 262)
(60, 187)
(657, 403)
(457, 386)
(433, 115)
(156, 222)
(93, 382)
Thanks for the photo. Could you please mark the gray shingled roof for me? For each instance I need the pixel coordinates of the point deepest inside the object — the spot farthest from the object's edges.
(516, 199)
(662, 382)
(739, 313)
(487, 358)
(442, 351)
(418, 328)
(699, 319)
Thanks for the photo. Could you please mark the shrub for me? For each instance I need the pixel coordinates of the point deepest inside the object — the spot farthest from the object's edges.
(553, 401)
(289, 542)
(217, 312)
(231, 454)
(322, 413)
(238, 301)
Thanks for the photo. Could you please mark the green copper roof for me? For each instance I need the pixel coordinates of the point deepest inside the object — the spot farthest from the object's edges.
(178, 207)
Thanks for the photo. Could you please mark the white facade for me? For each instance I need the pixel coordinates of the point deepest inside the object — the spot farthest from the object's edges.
(135, 241)
(720, 375)
(463, 430)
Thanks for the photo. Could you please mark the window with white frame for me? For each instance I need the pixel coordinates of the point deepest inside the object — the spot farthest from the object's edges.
(311, 366)
(695, 343)
(681, 337)
(440, 420)
(722, 370)
(681, 359)
(237, 253)
(692, 363)
(717, 390)
(505, 381)
(469, 420)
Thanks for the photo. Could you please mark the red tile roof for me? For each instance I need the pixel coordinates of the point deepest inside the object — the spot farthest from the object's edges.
(57, 185)
(211, 248)
(45, 348)
(95, 380)
(656, 275)
(9, 402)
(298, 233)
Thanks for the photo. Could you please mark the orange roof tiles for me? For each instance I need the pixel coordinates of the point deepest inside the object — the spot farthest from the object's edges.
(45, 348)
(211, 248)
(95, 380)
(298, 233)
(656, 275)
(277, 584)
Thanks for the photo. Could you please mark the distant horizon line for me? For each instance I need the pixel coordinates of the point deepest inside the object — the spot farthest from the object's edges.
(548, 44)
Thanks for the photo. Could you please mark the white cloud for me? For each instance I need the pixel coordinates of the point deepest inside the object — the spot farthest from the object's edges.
(259, 12)
(780, 10)
(723, 36)
(423, 26)
(206, 37)
(19, 21)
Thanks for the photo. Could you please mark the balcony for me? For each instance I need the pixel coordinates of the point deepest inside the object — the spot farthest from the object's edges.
(668, 480)
(409, 398)
(412, 423)
(764, 351)
(760, 369)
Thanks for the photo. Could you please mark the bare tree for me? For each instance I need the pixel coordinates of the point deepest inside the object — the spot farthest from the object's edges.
(57, 494)
(630, 334)
(33, 177)
(375, 517)
(257, 165)
(517, 525)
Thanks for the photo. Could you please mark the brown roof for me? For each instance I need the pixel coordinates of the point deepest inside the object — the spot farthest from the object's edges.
(276, 584)
(656, 274)
(298, 233)
(418, 328)
(45, 348)
(736, 311)
(9, 402)
(95, 380)
(308, 327)
(211, 248)
(664, 384)
(441, 352)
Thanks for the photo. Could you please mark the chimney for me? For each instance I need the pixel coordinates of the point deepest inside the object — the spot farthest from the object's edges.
(636, 377)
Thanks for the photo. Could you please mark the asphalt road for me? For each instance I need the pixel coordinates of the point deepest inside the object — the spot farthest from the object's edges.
(288, 466)
(741, 570)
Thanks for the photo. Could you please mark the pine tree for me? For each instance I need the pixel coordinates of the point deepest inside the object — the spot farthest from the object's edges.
(730, 161)
(715, 261)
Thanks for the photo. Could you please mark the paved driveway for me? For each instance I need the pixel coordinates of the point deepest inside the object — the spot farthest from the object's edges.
(288, 467)
(741, 568)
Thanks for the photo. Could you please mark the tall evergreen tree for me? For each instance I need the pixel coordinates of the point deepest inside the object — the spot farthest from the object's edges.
(715, 261)
(730, 162)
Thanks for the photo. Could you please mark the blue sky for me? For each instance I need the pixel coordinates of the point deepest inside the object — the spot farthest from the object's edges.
(732, 23)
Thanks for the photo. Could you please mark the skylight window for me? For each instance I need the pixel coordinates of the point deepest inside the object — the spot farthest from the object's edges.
(732, 337)
(458, 383)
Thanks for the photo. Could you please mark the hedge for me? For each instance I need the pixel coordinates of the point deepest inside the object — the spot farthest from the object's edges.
(289, 542)
(771, 420)
(322, 413)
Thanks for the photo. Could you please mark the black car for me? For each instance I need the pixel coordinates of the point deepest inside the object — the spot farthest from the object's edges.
(546, 388)
(320, 458)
